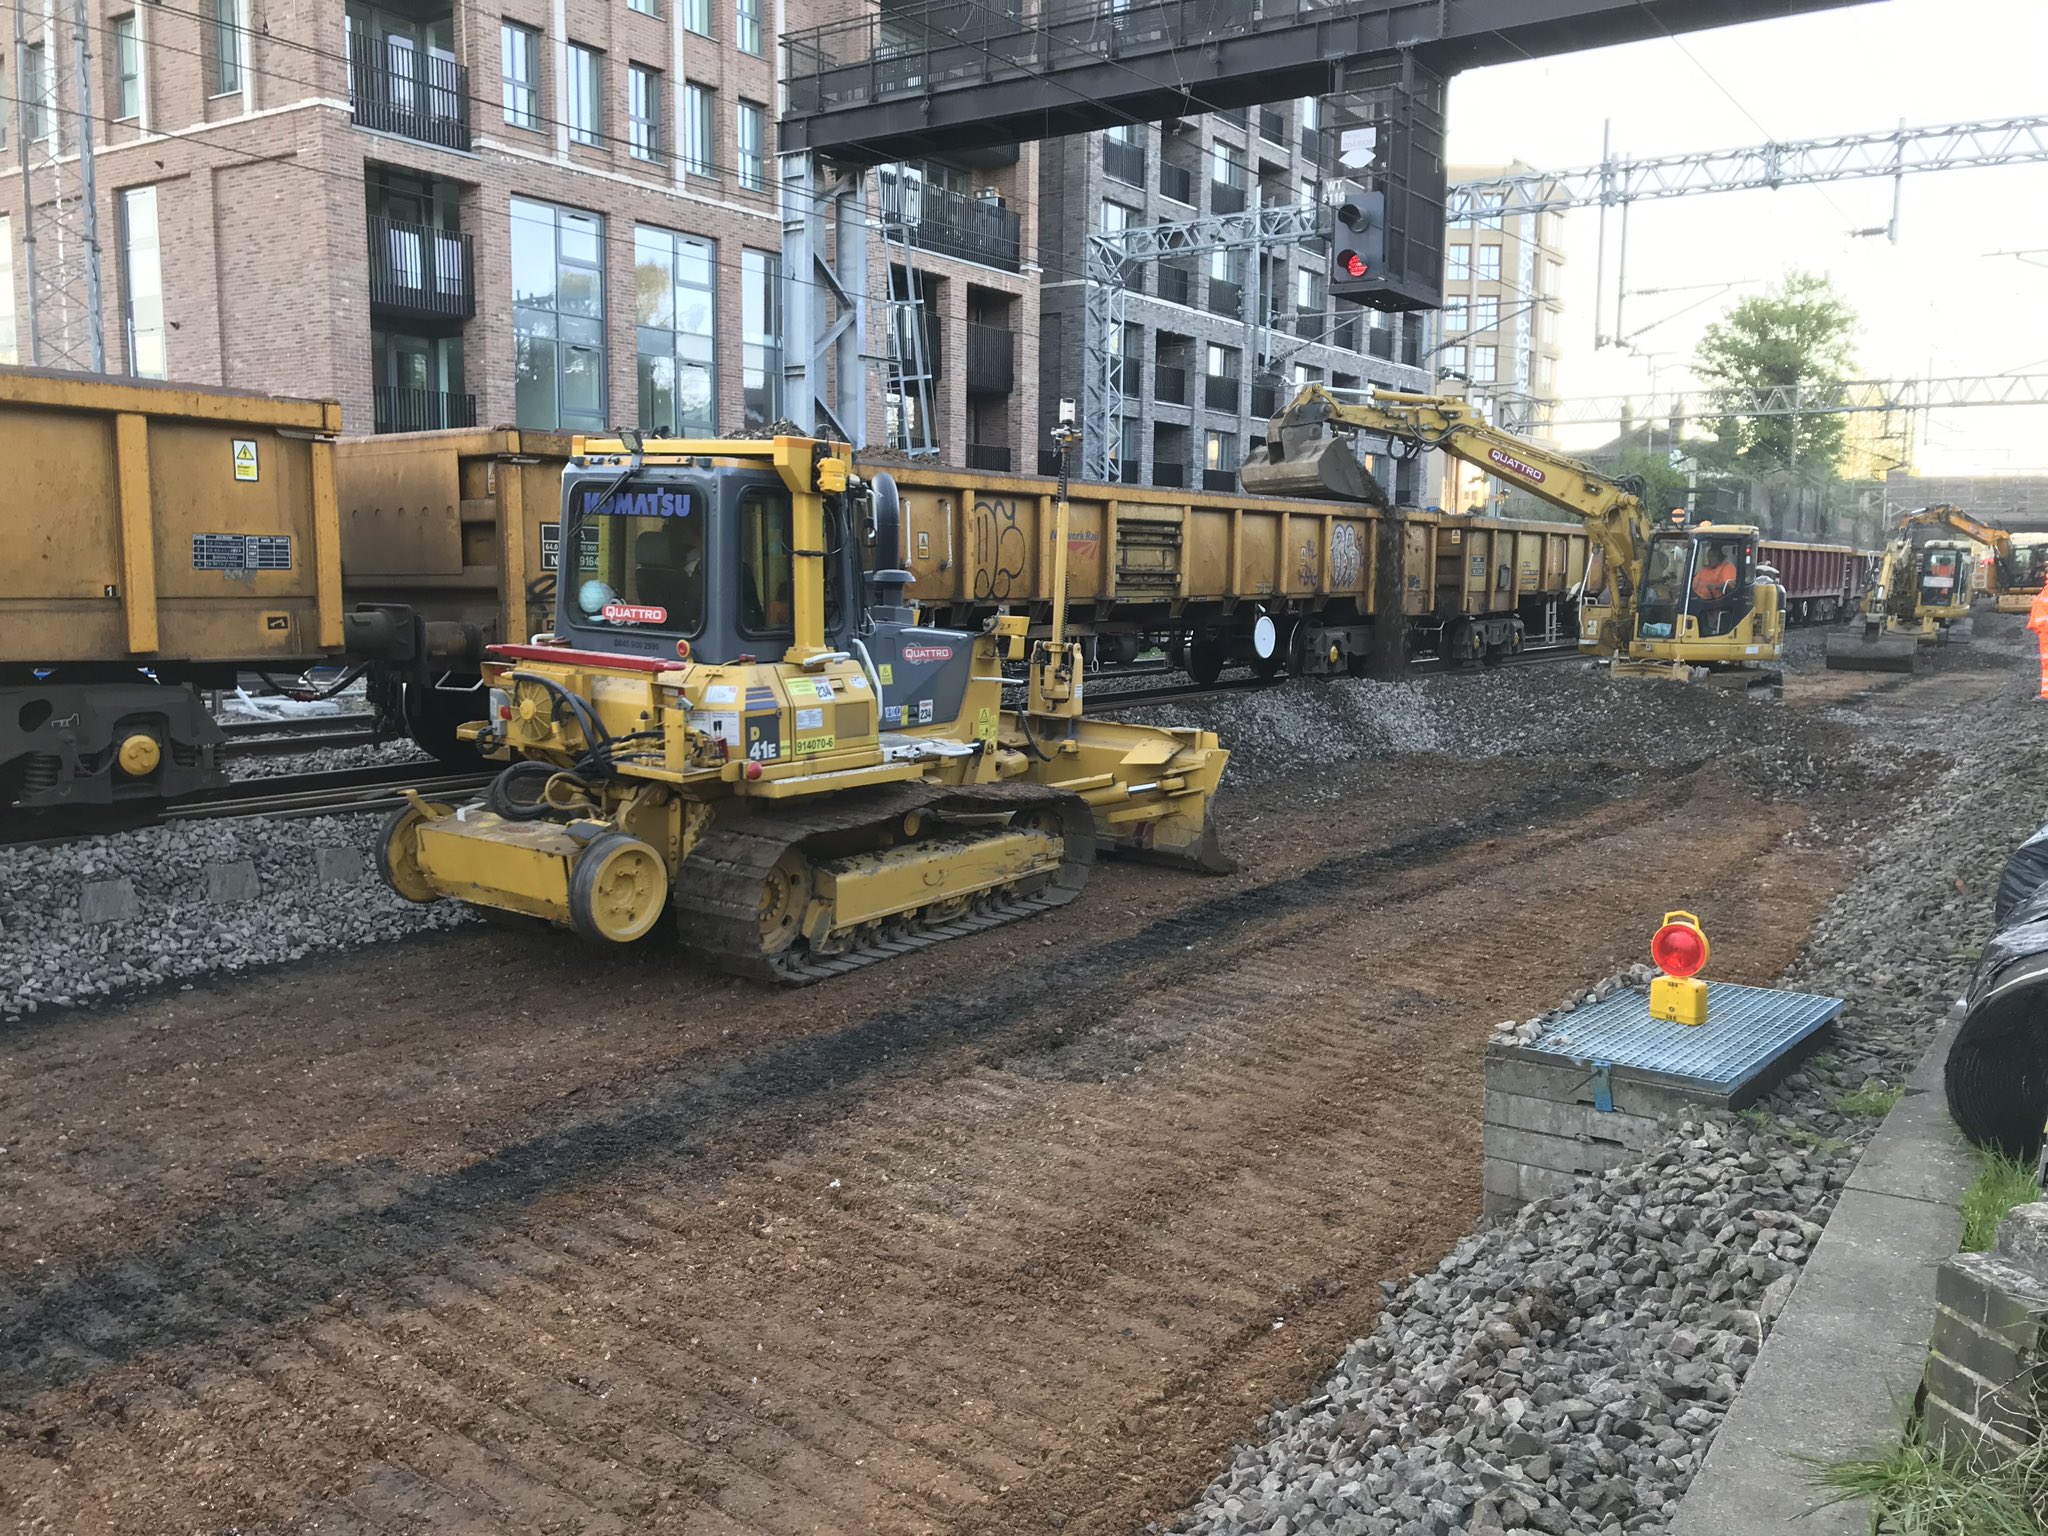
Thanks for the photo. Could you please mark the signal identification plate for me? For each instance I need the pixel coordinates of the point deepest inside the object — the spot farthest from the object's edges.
(241, 551)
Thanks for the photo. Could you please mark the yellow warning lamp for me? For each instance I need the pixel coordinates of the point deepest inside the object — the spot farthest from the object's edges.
(1680, 950)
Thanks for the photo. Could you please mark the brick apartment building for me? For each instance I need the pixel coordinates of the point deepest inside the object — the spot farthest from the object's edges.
(560, 213)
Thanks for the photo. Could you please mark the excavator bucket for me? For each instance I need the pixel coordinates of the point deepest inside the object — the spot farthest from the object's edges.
(1310, 461)
(1867, 648)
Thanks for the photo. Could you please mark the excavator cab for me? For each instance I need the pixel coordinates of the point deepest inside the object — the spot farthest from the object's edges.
(1697, 584)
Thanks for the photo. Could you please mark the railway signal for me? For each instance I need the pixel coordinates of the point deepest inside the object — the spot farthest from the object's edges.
(1680, 950)
(1360, 247)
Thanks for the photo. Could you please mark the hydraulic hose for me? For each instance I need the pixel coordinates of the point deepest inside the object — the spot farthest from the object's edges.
(506, 794)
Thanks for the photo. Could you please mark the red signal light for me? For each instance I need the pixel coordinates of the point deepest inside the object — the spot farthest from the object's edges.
(1679, 948)
(1354, 264)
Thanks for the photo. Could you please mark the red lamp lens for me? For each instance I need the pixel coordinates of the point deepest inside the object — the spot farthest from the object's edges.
(1354, 264)
(1679, 949)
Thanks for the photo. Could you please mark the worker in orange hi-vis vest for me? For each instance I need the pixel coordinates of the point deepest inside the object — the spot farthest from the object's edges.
(2037, 621)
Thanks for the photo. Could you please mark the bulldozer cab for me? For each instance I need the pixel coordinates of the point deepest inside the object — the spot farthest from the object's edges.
(1697, 582)
(682, 553)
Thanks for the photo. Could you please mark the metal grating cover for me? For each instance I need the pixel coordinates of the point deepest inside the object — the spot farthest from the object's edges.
(1747, 1029)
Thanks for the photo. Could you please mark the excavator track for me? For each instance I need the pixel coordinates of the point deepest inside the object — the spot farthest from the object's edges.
(719, 888)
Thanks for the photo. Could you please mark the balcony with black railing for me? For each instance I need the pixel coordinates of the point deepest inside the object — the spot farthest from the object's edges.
(1124, 162)
(1177, 183)
(1309, 324)
(1219, 480)
(991, 360)
(952, 224)
(1272, 126)
(1224, 198)
(1225, 298)
(1219, 393)
(421, 273)
(1265, 400)
(1379, 342)
(421, 410)
(406, 91)
(1176, 284)
(989, 457)
(1169, 384)
(1166, 474)
(1312, 145)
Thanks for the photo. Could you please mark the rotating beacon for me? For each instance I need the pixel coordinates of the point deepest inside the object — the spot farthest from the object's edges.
(1680, 950)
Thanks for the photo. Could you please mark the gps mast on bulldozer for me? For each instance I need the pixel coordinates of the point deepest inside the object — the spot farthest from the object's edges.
(724, 727)
(1644, 609)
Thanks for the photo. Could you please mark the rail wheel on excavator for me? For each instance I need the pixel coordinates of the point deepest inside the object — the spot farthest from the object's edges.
(862, 796)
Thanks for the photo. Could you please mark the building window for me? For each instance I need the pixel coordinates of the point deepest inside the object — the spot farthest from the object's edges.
(585, 95)
(1456, 316)
(672, 277)
(1491, 206)
(645, 7)
(699, 130)
(697, 16)
(1222, 363)
(1311, 113)
(519, 53)
(1486, 314)
(1227, 265)
(127, 68)
(749, 39)
(1118, 218)
(1485, 364)
(9, 349)
(643, 112)
(1489, 263)
(1458, 264)
(761, 323)
(1306, 297)
(1220, 451)
(142, 284)
(1223, 165)
(38, 92)
(222, 21)
(1305, 376)
(753, 146)
(558, 352)
(1454, 360)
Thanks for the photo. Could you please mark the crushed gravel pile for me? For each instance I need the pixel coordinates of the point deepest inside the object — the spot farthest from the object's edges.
(317, 759)
(1565, 1371)
(88, 921)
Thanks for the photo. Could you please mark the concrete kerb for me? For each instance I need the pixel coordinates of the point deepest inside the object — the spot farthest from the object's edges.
(1841, 1367)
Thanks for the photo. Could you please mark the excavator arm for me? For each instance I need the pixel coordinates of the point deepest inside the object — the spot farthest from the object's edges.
(1309, 452)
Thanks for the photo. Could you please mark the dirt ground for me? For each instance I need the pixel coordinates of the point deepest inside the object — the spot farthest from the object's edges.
(1020, 1233)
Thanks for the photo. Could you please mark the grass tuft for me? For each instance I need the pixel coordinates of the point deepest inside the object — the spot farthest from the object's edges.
(1873, 1101)
(2001, 1183)
(1915, 1491)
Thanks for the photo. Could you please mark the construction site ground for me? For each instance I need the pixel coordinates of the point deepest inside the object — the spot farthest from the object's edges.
(481, 1233)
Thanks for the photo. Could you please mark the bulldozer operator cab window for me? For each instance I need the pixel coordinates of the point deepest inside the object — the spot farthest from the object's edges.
(640, 559)
(767, 567)
(1705, 578)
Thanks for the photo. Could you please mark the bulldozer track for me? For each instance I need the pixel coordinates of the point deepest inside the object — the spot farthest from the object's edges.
(718, 887)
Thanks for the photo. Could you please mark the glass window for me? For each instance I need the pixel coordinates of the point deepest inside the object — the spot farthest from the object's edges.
(1458, 264)
(1222, 362)
(1305, 376)
(674, 287)
(38, 91)
(519, 64)
(1223, 165)
(1122, 133)
(766, 587)
(127, 67)
(753, 146)
(1485, 364)
(1486, 314)
(1454, 360)
(1489, 263)
(1117, 218)
(640, 557)
(223, 26)
(9, 346)
(584, 98)
(1220, 451)
(1227, 266)
(1305, 295)
(558, 349)
(761, 326)
(1311, 112)
(697, 16)
(1456, 315)
(749, 38)
(645, 7)
(142, 284)
(699, 130)
(643, 112)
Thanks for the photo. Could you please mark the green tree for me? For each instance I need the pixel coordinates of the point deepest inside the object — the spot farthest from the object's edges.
(1663, 486)
(1800, 333)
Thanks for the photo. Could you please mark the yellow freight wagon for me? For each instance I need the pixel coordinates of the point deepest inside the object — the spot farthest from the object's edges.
(158, 539)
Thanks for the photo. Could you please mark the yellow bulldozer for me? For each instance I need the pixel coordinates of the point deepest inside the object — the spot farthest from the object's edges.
(1921, 592)
(738, 727)
(1680, 600)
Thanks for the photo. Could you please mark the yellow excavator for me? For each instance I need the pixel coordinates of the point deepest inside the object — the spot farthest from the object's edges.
(734, 725)
(1921, 592)
(1678, 600)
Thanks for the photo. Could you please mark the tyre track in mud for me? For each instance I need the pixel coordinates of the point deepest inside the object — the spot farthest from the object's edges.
(1065, 1223)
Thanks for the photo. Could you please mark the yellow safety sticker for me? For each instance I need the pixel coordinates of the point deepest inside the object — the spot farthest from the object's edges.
(807, 745)
(245, 458)
(888, 671)
(985, 725)
(802, 687)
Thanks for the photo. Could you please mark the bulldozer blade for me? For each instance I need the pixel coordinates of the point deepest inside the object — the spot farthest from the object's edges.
(1854, 651)
(1311, 463)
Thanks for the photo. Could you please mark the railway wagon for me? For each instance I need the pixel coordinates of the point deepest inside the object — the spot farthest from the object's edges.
(1221, 579)
(158, 540)
(1821, 581)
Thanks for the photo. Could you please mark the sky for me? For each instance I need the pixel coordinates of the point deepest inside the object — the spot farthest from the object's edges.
(1938, 302)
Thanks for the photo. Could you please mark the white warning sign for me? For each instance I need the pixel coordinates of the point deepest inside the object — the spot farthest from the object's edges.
(245, 458)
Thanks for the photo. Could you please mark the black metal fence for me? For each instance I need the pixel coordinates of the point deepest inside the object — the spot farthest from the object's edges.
(404, 91)
(1124, 162)
(991, 359)
(421, 410)
(422, 272)
(972, 228)
(1169, 384)
(989, 457)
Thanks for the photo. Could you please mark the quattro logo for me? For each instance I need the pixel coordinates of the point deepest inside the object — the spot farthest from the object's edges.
(633, 613)
(921, 653)
(1508, 461)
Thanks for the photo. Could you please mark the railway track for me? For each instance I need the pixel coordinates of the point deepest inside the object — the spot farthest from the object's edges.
(282, 738)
